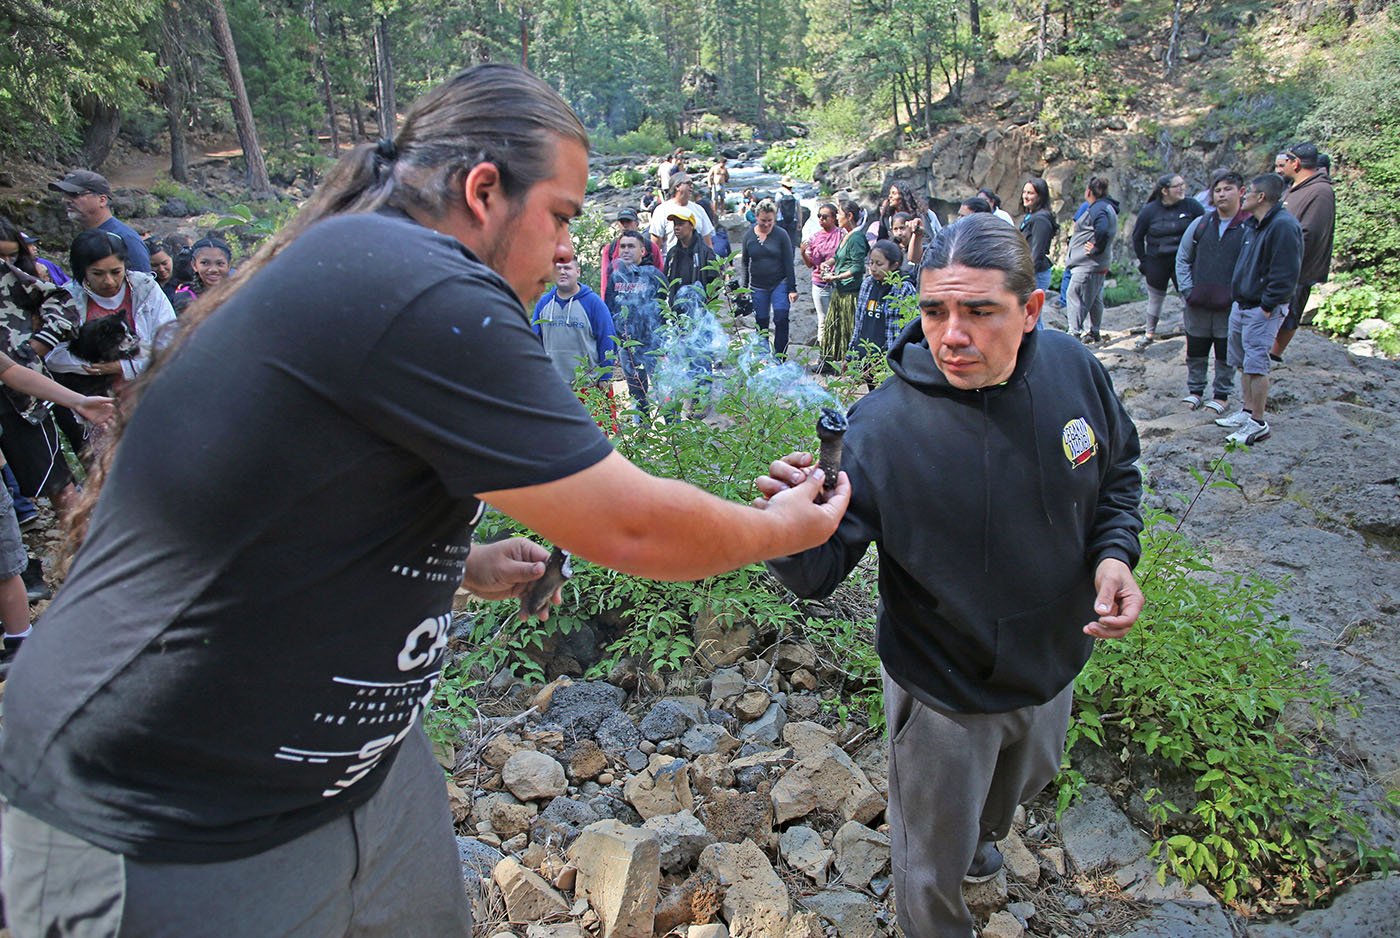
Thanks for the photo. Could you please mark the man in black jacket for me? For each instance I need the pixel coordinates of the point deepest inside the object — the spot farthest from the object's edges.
(689, 259)
(995, 471)
(1266, 276)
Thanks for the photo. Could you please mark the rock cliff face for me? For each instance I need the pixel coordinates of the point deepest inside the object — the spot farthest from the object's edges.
(1002, 153)
(999, 136)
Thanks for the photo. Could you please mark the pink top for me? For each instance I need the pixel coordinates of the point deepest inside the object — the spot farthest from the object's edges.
(821, 247)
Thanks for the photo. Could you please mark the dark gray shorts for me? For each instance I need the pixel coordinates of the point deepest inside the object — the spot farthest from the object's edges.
(389, 868)
(13, 559)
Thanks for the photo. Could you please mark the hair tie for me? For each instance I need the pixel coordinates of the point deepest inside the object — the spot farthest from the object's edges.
(386, 150)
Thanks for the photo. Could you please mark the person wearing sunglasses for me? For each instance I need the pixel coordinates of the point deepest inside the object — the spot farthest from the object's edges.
(819, 248)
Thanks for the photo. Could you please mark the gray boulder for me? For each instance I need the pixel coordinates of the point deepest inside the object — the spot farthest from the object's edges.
(579, 709)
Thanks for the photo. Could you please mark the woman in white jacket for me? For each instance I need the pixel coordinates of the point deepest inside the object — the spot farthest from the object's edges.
(101, 287)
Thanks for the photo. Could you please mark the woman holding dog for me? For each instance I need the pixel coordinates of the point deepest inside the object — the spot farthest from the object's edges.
(102, 288)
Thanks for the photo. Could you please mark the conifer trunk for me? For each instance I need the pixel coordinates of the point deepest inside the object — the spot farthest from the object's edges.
(384, 75)
(327, 94)
(258, 182)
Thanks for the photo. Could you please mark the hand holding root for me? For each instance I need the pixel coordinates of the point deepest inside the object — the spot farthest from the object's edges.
(808, 515)
(504, 569)
(793, 470)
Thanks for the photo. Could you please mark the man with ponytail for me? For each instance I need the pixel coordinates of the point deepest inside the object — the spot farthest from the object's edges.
(216, 730)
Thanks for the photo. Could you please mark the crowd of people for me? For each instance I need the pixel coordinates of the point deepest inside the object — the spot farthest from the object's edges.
(856, 289)
(230, 562)
(82, 333)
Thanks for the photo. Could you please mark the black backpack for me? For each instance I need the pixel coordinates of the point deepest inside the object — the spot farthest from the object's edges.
(787, 211)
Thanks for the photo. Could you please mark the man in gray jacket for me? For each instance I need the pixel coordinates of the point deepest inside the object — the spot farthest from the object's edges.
(1205, 262)
(1090, 253)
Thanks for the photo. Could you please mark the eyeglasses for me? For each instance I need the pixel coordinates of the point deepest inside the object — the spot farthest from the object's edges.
(826, 215)
(1177, 185)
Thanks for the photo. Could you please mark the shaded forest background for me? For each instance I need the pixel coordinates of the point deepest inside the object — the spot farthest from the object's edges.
(298, 80)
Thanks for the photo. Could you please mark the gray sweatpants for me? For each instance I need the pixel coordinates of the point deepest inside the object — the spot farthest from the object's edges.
(955, 780)
(389, 869)
(1084, 301)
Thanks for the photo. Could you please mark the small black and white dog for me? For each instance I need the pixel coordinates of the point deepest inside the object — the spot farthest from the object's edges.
(104, 340)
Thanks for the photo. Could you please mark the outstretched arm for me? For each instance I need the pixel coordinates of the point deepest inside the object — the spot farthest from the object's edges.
(618, 516)
(27, 381)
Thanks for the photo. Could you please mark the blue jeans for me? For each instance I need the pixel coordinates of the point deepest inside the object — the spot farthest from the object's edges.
(637, 361)
(775, 298)
(24, 508)
(1042, 282)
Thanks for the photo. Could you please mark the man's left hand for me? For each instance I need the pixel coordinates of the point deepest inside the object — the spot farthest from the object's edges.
(503, 569)
(1119, 600)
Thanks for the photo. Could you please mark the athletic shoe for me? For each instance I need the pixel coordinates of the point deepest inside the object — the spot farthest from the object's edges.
(28, 520)
(1249, 434)
(1216, 405)
(1236, 420)
(1192, 401)
(986, 863)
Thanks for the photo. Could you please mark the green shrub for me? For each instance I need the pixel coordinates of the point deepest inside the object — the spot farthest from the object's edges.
(1071, 91)
(842, 119)
(794, 159)
(1345, 309)
(1202, 684)
(650, 139)
(1256, 98)
(590, 231)
(1126, 290)
(626, 178)
(167, 189)
(247, 226)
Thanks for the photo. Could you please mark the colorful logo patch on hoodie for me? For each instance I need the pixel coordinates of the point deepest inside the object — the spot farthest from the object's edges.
(1079, 441)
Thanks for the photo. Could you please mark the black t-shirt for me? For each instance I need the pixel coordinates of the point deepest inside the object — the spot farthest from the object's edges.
(259, 612)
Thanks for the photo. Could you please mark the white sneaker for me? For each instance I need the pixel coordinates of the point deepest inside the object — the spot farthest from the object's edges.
(1236, 420)
(1249, 434)
(1192, 401)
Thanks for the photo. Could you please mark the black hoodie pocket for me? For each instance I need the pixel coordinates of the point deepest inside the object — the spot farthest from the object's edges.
(1040, 651)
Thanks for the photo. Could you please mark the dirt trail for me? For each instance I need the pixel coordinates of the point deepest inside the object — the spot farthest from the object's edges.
(137, 169)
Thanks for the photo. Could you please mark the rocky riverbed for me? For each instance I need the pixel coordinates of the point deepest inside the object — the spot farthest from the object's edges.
(730, 801)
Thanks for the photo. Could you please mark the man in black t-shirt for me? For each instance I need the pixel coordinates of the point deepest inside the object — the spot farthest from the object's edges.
(216, 729)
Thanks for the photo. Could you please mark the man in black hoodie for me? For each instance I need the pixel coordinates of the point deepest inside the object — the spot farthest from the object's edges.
(1263, 286)
(995, 471)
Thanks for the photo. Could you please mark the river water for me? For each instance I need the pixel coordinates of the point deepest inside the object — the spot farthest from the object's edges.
(750, 173)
